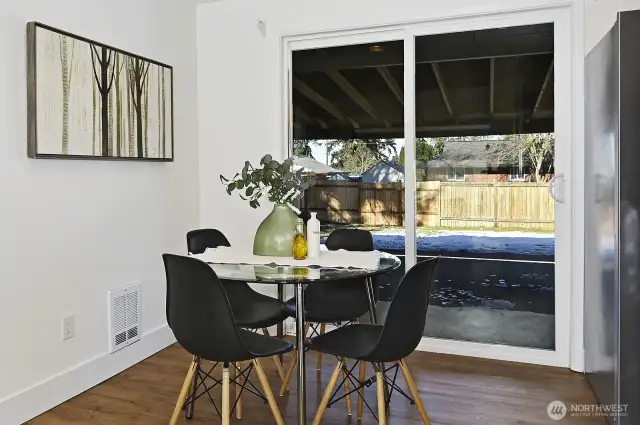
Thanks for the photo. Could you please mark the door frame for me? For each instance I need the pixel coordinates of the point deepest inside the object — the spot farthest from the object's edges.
(568, 330)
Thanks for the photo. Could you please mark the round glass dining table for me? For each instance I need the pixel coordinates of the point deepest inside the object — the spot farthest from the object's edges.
(300, 277)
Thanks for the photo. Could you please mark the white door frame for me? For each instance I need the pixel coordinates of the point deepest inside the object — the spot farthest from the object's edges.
(564, 124)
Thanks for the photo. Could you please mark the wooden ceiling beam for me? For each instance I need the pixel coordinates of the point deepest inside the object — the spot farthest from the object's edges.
(443, 89)
(492, 84)
(302, 115)
(547, 78)
(318, 99)
(354, 94)
(392, 83)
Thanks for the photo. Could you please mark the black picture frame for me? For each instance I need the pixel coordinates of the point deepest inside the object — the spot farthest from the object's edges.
(32, 97)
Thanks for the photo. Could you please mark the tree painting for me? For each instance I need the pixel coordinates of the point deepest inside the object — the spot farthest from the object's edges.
(95, 110)
(138, 73)
(104, 75)
(90, 100)
(119, 117)
(66, 64)
(163, 116)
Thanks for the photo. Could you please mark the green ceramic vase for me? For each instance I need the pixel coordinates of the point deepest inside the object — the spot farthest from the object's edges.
(274, 236)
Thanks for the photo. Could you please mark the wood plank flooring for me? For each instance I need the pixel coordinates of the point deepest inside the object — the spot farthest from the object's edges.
(455, 391)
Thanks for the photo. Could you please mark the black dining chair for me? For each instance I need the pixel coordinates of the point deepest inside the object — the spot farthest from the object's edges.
(202, 320)
(251, 309)
(390, 342)
(338, 302)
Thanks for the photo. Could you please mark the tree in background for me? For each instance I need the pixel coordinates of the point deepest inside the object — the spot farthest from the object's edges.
(358, 155)
(302, 147)
(426, 150)
(355, 157)
(538, 150)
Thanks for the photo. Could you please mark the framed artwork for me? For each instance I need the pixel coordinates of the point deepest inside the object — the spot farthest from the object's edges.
(87, 100)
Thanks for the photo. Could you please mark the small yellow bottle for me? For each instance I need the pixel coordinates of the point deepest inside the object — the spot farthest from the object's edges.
(299, 242)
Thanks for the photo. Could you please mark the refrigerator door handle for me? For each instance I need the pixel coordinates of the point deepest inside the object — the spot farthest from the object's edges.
(552, 188)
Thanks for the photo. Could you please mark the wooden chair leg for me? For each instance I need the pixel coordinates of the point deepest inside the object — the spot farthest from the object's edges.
(363, 372)
(414, 392)
(226, 413)
(268, 393)
(323, 327)
(183, 393)
(238, 391)
(287, 377)
(327, 393)
(382, 416)
(347, 386)
(276, 359)
(292, 367)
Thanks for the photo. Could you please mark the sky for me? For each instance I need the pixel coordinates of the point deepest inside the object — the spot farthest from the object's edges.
(320, 152)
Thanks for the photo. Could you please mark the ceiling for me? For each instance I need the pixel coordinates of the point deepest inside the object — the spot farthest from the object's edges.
(497, 81)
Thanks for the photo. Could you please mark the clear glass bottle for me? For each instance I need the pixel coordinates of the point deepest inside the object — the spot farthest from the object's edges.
(300, 248)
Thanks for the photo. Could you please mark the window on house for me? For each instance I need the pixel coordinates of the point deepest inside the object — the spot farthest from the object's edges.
(517, 174)
(455, 174)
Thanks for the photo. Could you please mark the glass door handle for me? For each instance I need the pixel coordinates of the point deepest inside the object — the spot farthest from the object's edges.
(552, 188)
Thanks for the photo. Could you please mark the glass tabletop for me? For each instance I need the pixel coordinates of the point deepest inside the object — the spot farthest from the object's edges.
(275, 274)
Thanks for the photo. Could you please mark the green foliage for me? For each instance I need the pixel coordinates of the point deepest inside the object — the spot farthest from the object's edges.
(426, 150)
(279, 182)
(302, 147)
(358, 155)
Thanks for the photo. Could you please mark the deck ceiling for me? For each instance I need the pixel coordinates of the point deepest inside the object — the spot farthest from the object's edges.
(488, 82)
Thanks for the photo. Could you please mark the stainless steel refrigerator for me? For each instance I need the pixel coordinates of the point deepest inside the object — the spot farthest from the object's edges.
(612, 234)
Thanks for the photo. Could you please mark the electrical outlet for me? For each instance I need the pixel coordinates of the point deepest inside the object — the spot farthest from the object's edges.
(68, 327)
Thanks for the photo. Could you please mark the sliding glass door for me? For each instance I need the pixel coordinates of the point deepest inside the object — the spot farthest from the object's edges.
(484, 158)
(450, 139)
(348, 130)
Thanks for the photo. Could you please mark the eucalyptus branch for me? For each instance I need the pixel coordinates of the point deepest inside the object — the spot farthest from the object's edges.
(278, 182)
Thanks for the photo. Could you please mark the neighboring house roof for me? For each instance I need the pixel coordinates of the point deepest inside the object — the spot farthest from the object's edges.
(310, 165)
(384, 171)
(338, 177)
(392, 164)
(481, 154)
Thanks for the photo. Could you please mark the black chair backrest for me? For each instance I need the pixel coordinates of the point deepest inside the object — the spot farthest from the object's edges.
(404, 324)
(350, 240)
(349, 297)
(199, 312)
(199, 240)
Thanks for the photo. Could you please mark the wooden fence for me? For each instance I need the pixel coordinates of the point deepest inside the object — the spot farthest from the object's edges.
(438, 204)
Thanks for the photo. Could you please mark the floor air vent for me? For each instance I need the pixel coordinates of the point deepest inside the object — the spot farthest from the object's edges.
(124, 316)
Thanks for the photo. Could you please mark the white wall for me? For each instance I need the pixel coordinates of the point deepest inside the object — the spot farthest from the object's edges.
(71, 230)
(239, 78)
(600, 15)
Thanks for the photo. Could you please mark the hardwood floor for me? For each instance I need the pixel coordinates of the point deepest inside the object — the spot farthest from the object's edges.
(455, 391)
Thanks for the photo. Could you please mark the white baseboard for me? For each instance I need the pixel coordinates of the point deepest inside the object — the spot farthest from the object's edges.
(31, 402)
